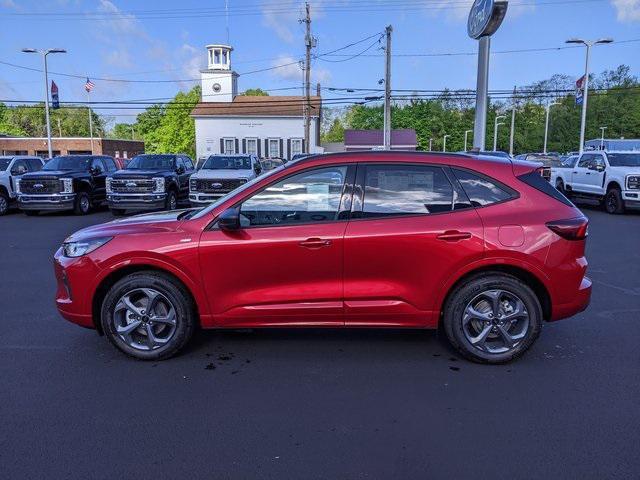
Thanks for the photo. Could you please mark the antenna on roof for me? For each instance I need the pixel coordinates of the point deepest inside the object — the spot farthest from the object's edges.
(226, 14)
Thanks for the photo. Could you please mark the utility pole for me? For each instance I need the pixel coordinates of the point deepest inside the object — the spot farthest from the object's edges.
(466, 136)
(444, 143)
(496, 124)
(387, 90)
(430, 144)
(546, 126)
(308, 41)
(602, 138)
(513, 123)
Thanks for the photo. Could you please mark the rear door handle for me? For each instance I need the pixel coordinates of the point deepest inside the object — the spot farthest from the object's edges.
(315, 243)
(453, 236)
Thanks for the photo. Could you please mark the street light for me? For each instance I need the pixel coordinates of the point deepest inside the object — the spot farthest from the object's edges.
(430, 144)
(44, 54)
(546, 126)
(602, 138)
(587, 44)
(444, 143)
(495, 131)
(466, 135)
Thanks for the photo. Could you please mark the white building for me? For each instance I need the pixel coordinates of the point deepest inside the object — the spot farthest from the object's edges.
(269, 126)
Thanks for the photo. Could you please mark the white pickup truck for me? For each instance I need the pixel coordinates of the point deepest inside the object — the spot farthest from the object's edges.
(12, 167)
(602, 176)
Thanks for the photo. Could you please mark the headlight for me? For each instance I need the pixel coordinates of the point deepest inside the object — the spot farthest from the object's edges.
(108, 185)
(82, 247)
(633, 182)
(67, 185)
(192, 185)
(243, 180)
(158, 185)
(18, 185)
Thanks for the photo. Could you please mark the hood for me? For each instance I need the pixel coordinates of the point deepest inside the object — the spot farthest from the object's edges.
(156, 222)
(44, 174)
(221, 173)
(141, 173)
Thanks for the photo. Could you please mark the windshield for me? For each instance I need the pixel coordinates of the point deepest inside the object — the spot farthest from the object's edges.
(152, 162)
(4, 163)
(215, 162)
(204, 211)
(68, 163)
(624, 159)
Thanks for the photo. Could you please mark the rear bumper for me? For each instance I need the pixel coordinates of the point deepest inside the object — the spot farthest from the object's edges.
(56, 201)
(579, 303)
(139, 201)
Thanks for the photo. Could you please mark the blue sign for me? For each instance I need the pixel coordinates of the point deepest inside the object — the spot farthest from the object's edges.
(480, 18)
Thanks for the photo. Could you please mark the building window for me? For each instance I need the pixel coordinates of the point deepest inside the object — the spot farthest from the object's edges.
(252, 146)
(229, 146)
(117, 154)
(124, 154)
(274, 148)
(296, 146)
(224, 57)
(216, 57)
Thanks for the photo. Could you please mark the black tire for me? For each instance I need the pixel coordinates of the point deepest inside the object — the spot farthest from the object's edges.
(31, 213)
(82, 204)
(117, 212)
(171, 203)
(466, 292)
(4, 204)
(560, 187)
(173, 291)
(613, 202)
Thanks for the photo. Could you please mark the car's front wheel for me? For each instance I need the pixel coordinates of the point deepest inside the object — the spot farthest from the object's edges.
(4, 204)
(148, 315)
(82, 204)
(613, 202)
(492, 318)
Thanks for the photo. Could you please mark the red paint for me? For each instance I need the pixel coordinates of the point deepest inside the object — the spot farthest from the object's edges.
(363, 272)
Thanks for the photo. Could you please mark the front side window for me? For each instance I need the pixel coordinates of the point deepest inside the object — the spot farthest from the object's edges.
(19, 167)
(229, 146)
(391, 190)
(307, 197)
(97, 165)
(252, 146)
(481, 190)
(274, 148)
(586, 161)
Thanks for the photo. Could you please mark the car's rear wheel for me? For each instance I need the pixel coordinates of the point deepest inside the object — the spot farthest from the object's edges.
(4, 204)
(82, 204)
(148, 315)
(613, 202)
(492, 318)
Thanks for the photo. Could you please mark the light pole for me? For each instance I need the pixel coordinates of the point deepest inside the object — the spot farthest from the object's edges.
(546, 125)
(466, 136)
(602, 138)
(496, 124)
(430, 144)
(444, 143)
(587, 44)
(44, 54)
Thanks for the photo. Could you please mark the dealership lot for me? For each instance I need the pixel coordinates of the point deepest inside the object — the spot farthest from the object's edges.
(316, 404)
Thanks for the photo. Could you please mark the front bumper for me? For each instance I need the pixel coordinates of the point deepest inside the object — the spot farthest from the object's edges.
(631, 199)
(136, 201)
(54, 201)
(200, 199)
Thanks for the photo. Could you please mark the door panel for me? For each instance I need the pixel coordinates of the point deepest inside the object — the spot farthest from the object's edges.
(395, 267)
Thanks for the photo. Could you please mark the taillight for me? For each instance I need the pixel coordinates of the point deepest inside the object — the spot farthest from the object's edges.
(571, 229)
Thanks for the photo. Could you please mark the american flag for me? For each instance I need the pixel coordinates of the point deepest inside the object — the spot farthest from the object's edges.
(89, 85)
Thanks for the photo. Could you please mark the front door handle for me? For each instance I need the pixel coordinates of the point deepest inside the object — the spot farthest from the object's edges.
(315, 243)
(453, 236)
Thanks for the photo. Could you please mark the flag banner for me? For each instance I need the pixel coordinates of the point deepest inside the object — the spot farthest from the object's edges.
(580, 90)
(55, 101)
(88, 86)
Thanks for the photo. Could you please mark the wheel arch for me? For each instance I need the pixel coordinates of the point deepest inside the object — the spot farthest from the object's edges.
(522, 274)
(117, 274)
(4, 190)
(613, 184)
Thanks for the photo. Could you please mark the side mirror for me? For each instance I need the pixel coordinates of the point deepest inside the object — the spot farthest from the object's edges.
(229, 220)
(180, 170)
(95, 171)
(600, 167)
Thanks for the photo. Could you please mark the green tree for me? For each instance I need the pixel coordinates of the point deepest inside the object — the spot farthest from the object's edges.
(125, 131)
(335, 132)
(256, 92)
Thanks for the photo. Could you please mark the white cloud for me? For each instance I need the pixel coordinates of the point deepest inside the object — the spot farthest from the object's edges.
(460, 11)
(292, 71)
(279, 19)
(627, 10)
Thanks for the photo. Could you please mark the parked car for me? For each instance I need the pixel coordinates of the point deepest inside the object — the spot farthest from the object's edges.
(271, 163)
(150, 182)
(548, 160)
(612, 178)
(12, 167)
(221, 174)
(484, 247)
(69, 182)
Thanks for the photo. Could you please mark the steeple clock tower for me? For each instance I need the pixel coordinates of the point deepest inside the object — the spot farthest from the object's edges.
(219, 82)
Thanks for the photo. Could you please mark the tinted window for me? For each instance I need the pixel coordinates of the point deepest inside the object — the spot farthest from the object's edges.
(586, 161)
(34, 164)
(188, 162)
(482, 190)
(4, 163)
(535, 180)
(19, 167)
(624, 159)
(405, 190)
(97, 164)
(180, 163)
(68, 163)
(228, 162)
(152, 162)
(111, 165)
(307, 197)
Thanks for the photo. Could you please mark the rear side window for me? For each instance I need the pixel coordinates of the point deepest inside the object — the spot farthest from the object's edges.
(481, 190)
(405, 190)
(535, 180)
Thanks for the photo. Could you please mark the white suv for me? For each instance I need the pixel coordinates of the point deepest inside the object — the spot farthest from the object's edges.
(12, 167)
(219, 175)
(611, 177)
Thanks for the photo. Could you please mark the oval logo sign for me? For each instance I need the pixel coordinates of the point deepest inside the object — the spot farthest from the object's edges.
(479, 17)
(216, 185)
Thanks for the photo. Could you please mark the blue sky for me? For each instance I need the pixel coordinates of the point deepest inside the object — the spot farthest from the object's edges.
(164, 41)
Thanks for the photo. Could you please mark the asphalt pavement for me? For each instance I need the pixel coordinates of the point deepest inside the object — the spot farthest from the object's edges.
(316, 404)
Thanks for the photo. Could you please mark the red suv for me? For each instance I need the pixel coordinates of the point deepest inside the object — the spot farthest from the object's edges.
(482, 247)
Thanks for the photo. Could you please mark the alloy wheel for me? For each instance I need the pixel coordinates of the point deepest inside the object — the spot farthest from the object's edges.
(4, 205)
(84, 204)
(495, 321)
(144, 319)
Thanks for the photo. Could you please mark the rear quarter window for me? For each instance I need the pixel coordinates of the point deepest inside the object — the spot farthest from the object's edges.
(535, 180)
(482, 190)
